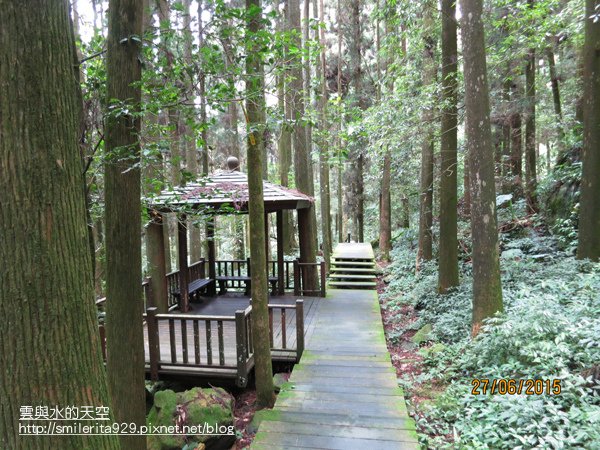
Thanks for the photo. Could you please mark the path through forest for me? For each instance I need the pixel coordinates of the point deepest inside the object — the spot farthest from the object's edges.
(343, 394)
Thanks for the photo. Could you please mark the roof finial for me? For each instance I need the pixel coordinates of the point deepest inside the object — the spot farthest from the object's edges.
(233, 163)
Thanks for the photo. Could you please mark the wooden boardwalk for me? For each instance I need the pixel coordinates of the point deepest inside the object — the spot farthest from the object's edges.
(344, 393)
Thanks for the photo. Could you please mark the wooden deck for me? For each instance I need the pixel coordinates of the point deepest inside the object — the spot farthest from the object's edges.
(344, 393)
(184, 344)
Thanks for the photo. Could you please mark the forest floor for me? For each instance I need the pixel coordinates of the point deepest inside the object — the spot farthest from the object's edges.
(549, 331)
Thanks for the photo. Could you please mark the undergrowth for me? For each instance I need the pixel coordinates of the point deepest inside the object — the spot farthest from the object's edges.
(550, 329)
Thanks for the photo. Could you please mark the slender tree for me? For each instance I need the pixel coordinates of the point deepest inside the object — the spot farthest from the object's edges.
(385, 212)
(285, 139)
(589, 212)
(448, 258)
(50, 342)
(124, 329)
(255, 104)
(487, 289)
(323, 149)
(530, 144)
(302, 167)
(427, 144)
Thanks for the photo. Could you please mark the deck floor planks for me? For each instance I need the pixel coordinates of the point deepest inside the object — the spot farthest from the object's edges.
(226, 306)
(343, 394)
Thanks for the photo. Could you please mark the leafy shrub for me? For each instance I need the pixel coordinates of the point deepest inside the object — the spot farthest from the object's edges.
(550, 330)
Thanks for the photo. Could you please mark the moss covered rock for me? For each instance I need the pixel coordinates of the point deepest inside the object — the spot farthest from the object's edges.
(423, 335)
(206, 413)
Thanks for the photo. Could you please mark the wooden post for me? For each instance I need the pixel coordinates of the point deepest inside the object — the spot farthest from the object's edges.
(148, 294)
(210, 236)
(305, 237)
(241, 348)
(299, 329)
(155, 250)
(184, 301)
(280, 268)
(297, 278)
(323, 280)
(202, 268)
(267, 241)
(153, 342)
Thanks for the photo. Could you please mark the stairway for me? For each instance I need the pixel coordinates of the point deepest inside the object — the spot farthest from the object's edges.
(353, 267)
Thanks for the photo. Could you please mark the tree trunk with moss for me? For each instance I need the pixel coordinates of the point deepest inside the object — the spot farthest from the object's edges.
(255, 106)
(448, 257)
(124, 328)
(589, 212)
(487, 289)
(50, 339)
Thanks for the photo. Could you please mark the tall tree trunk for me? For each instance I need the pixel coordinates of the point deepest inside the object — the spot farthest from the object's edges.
(255, 104)
(50, 337)
(530, 145)
(323, 148)
(124, 329)
(340, 203)
(555, 99)
(188, 140)
(427, 145)
(448, 258)
(385, 212)
(302, 167)
(506, 155)
(285, 140)
(487, 289)
(589, 213)
(357, 157)
(516, 144)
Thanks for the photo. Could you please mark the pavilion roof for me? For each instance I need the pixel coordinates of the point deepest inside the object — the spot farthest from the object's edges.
(225, 191)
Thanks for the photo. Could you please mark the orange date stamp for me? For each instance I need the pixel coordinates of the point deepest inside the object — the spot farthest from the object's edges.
(511, 386)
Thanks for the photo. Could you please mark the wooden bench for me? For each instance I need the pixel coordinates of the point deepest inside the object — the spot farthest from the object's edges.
(195, 288)
(223, 280)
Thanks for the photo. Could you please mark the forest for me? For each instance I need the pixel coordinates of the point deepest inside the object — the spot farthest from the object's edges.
(152, 155)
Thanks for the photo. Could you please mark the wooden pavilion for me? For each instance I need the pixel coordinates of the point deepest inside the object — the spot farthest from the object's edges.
(223, 192)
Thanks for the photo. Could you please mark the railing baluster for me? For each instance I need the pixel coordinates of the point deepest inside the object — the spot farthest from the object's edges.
(172, 339)
(283, 330)
(183, 326)
(299, 329)
(271, 327)
(208, 343)
(221, 346)
(153, 342)
(196, 343)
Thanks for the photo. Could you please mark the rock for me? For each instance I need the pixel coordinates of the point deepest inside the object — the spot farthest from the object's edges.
(210, 410)
(503, 200)
(423, 334)
(513, 253)
(278, 380)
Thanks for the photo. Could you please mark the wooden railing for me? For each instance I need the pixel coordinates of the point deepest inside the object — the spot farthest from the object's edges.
(195, 271)
(283, 342)
(301, 272)
(201, 342)
(217, 345)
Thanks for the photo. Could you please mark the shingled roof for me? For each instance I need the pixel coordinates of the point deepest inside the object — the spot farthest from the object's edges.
(224, 190)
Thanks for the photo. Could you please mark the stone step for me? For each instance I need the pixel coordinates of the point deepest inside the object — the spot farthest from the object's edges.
(345, 262)
(353, 269)
(354, 276)
(353, 284)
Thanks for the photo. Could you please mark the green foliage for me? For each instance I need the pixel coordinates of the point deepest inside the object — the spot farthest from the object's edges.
(550, 330)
